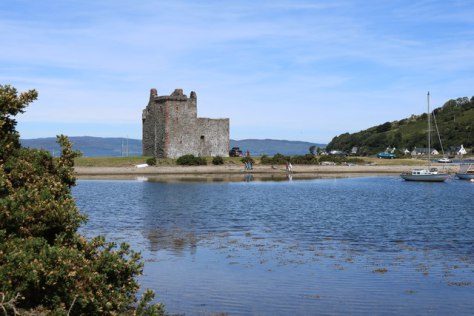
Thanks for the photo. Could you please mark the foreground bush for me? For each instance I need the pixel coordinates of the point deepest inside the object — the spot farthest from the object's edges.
(45, 265)
(191, 160)
(217, 160)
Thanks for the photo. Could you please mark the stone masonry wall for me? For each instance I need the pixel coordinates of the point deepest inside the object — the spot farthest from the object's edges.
(171, 128)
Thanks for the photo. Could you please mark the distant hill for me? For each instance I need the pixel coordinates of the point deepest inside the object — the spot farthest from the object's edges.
(455, 123)
(112, 147)
(89, 146)
(258, 147)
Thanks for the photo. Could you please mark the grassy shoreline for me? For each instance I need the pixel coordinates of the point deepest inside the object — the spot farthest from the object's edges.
(228, 161)
(118, 167)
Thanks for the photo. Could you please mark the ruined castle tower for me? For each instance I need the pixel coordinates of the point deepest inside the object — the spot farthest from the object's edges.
(172, 129)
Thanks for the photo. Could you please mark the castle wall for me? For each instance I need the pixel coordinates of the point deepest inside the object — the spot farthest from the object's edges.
(216, 137)
(148, 132)
(172, 129)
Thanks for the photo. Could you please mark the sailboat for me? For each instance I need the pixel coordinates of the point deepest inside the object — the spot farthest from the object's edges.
(466, 172)
(428, 174)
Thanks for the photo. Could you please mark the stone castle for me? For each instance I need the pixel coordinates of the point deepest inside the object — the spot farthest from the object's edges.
(172, 129)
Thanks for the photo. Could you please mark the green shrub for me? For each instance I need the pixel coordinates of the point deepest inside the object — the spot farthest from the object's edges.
(151, 161)
(247, 160)
(280, 159)
(44, 263)
(191, 160)
(217, 160)
(277, 159)
(307, 159)
(265, 160)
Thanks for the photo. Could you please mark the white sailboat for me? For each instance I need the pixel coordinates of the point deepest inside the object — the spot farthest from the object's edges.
(429, 174)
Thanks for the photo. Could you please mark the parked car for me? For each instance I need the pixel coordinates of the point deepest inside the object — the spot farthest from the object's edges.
(385, 155)
(235, 152)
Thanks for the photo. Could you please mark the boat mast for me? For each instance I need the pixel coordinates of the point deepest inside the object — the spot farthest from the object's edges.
(429, 130)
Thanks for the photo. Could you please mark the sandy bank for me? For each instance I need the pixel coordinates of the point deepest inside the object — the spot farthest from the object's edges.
(238, 169)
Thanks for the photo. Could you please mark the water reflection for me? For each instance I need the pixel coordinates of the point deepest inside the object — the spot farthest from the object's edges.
(175, 240)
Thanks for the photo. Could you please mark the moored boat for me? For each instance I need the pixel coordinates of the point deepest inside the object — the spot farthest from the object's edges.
(425, 175)
(429, 174)
(466, 172)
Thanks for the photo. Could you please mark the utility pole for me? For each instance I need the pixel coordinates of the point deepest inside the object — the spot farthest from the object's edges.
(128, 153)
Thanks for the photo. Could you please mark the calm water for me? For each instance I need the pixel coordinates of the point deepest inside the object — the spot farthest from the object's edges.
(326, 246)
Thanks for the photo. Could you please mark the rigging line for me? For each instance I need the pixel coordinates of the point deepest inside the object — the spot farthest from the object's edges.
(437, 131)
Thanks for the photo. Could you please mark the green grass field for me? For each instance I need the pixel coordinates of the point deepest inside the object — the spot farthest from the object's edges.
(132, 161)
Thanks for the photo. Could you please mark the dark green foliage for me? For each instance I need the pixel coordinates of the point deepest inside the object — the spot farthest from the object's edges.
(247, 160)
(455, 122)
(191, 160)
(280, 159)
(308, 159)
(277, 159)
(45, 265)
(151, 161)
(384, 127)
(340, 159)
(265, 160)
(217, 160)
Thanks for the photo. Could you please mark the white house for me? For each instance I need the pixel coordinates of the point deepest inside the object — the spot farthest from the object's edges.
(462, 151)
(424, 151)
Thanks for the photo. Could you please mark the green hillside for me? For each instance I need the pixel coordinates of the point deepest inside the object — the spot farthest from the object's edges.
(455, 122)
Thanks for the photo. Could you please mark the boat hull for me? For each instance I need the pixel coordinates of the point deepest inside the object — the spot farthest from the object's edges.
(425, 178)
(465, 176)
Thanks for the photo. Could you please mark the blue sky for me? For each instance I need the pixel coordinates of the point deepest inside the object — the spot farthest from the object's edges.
(300, 70)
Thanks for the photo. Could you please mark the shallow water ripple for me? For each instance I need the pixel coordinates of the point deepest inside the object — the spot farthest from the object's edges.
(326, 246)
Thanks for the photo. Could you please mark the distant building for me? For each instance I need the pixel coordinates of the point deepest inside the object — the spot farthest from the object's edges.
(337, 153)
(457, 151)
(423, 151)
(354, 150)
(462, 150)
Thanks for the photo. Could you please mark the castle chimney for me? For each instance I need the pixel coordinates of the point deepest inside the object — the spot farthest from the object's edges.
(153, 93)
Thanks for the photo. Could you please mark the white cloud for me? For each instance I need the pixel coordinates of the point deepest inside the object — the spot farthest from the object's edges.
(305, 66)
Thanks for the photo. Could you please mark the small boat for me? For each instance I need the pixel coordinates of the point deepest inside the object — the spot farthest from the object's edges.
(466, 172)
(425, 175)
(445, 160)
(429, 174)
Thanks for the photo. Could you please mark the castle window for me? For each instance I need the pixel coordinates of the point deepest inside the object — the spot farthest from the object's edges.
(202, 137)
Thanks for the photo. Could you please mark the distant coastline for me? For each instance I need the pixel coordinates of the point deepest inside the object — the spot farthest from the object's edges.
(116, 147)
